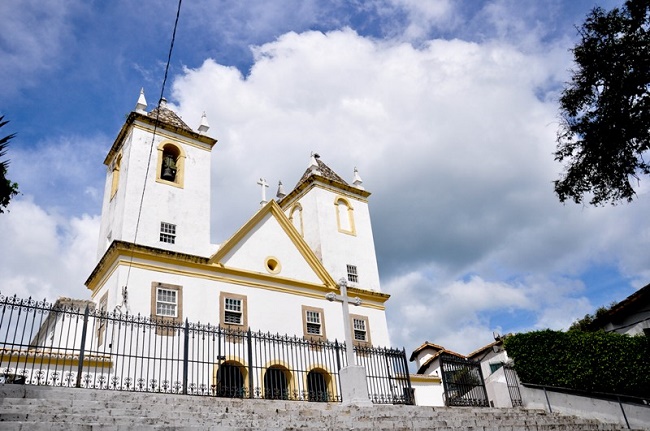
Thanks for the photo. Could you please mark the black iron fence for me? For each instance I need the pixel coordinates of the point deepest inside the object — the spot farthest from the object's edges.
(71, 343)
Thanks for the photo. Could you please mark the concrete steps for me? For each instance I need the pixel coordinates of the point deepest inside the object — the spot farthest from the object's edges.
(36, 408)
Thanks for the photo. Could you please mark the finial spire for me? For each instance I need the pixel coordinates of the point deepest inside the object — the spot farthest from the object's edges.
(141, 106)
(204, 126)
(280, 194)
(357, 182)
(313, 163)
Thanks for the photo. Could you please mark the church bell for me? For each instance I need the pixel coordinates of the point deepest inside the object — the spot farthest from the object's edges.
(167, 174)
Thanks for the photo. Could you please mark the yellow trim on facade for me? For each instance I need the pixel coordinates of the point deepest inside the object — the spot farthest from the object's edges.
(273, 265)
(316, 291)
(174, 137)
(20, 357)
(121, 253)
(423, 378)
(350, 214)
(319, 181)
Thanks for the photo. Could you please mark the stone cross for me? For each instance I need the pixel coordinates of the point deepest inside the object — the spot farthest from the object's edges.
(262, 183)
(345, 301)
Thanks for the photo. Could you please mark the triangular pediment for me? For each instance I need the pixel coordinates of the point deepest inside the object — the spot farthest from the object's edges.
(268, 244)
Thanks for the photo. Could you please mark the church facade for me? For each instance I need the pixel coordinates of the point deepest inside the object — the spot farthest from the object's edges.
(273, 274)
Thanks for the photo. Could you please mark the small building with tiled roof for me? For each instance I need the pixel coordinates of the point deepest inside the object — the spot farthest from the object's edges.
(631, 316)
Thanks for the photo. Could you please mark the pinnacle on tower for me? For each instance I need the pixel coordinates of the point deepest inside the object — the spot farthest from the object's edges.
(280, 194)
(357, 181)
(313, 163)
(141, 106)
(204, 126)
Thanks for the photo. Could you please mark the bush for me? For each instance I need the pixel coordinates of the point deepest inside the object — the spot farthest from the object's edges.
(588, 361)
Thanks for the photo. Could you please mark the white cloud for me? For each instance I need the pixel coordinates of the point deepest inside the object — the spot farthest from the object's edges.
(45, 255)
(455, 141)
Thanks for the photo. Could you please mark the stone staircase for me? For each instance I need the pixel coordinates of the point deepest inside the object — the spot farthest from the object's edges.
(36, 408)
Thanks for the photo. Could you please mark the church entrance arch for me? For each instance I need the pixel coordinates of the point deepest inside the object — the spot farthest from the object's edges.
(276, 385)
(317, 386)
(230, 381)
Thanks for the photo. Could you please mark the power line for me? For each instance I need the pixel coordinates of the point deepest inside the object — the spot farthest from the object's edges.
(153, 137)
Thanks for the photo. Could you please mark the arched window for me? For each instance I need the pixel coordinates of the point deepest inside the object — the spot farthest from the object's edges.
(318, 386)
(230, 381)
(295, 216)
(171, 164)
(344, 216)
(276, 386)
(115, 180)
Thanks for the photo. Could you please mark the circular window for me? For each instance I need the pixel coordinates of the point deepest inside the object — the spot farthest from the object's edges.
(273, 265)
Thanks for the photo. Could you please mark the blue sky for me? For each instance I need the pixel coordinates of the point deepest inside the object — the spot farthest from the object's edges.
(448, 109)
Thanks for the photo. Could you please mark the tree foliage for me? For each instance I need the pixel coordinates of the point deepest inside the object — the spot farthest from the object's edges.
(589, 361)
(8, 189)
(585, 323)
(604, 136)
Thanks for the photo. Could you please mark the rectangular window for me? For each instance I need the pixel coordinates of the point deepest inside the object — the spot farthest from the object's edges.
(352, 274)
(233, 309)
(495, 366)
(166, 302)
(313, 323)
(166, 307)
(233, 314)
(361, 330)
(167, 233)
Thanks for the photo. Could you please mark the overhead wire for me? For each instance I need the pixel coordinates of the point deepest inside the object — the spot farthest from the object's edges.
(153, 138)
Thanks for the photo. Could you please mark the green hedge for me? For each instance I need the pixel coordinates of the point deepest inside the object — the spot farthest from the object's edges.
(589, 361)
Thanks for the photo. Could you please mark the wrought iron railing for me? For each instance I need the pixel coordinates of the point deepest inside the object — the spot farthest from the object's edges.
(71, 343)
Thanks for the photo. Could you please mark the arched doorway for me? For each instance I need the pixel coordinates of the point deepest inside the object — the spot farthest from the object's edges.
(230, 381)
(275, 384)
(317, 388)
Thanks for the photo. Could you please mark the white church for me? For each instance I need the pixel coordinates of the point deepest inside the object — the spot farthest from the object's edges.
(269, 313)
(155, 257)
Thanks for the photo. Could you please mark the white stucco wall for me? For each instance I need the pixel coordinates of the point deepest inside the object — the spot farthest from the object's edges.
(428, 392)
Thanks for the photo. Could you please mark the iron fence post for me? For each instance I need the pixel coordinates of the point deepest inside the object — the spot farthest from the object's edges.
(249, 340)
(186, 354)
(411, 394)
(623, 410)
(338, 354)
(550, 410)
(82, 348)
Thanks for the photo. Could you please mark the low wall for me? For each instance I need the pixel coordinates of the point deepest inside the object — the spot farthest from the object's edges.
(638, 416)
(428, 390)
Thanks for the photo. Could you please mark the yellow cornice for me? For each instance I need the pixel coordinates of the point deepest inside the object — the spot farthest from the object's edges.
(121, 253)
(316, 180)
(423, 378)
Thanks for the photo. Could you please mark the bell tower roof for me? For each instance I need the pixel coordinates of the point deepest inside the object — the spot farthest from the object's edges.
(166, 115)
(319, 173)
(320, 168)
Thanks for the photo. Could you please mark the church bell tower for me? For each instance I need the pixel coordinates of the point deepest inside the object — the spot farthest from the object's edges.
(157, 190)
(333, 218)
